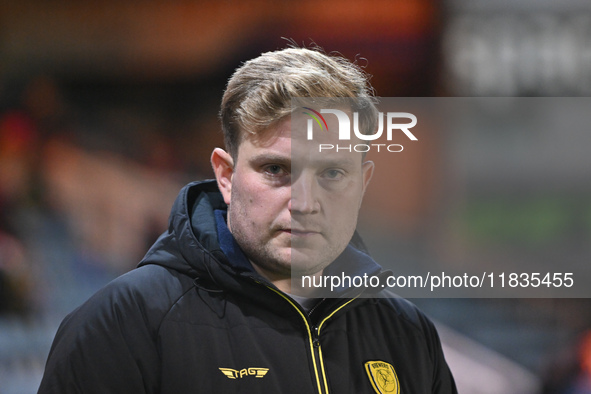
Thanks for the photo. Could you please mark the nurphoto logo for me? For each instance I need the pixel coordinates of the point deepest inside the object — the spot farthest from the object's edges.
(393, 124)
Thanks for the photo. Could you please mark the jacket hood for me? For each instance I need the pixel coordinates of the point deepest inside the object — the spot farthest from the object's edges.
(192, 245)
(182, 249)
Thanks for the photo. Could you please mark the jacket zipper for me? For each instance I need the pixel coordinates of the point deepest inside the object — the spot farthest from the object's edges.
(314, 342)
(319, 348)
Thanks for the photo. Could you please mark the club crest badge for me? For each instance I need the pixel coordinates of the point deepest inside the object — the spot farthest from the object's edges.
(383, 377)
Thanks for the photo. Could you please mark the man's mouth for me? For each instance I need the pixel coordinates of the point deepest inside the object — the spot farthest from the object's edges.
(301, 232)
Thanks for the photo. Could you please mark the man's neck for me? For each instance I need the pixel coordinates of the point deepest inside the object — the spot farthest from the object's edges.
(286, 284)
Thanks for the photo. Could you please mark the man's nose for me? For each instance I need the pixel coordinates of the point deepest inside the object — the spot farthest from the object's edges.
(304, 198)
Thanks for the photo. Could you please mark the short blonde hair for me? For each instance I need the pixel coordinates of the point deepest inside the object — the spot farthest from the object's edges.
(259, 92)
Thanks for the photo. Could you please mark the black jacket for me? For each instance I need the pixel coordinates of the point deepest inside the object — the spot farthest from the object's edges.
(190, 320)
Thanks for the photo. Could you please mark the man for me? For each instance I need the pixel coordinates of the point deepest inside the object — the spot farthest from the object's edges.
(216, 305)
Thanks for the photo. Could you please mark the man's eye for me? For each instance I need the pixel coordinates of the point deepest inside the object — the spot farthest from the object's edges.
(333, 174)
(274, 169)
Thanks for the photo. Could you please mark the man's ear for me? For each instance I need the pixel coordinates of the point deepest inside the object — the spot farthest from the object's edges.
(223, 167)
(367, 169)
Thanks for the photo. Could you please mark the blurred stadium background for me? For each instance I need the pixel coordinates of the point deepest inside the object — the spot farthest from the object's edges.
(107, 108)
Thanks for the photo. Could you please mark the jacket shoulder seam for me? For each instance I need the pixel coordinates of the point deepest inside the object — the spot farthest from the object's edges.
(172, 306)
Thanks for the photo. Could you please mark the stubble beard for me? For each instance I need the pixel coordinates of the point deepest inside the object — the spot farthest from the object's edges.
(271, 254)
(256, 243)
(280, 257)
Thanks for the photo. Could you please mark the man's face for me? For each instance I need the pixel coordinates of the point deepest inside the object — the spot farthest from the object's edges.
(293, 209)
